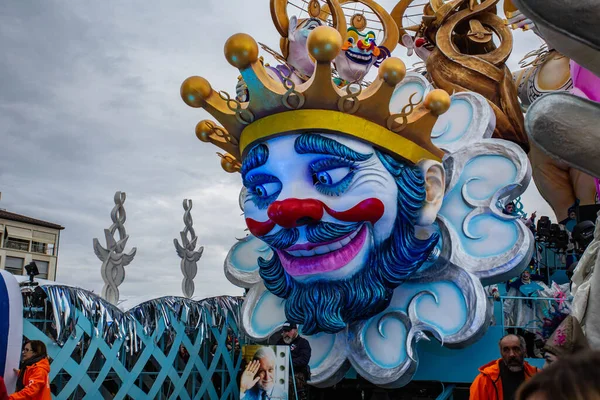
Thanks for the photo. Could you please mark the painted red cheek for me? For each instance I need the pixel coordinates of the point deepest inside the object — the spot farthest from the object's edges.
(258, 228)
(367, 210)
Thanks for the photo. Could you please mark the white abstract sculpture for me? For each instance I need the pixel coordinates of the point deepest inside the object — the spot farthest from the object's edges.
(186, 251)
(113, 257)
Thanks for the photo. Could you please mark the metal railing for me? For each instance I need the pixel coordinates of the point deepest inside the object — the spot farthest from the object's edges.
(558, 303)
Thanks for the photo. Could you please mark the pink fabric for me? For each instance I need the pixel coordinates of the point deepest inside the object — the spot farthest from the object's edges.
(585, 83)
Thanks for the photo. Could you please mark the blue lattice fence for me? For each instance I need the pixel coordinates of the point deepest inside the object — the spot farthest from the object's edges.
(168, 348)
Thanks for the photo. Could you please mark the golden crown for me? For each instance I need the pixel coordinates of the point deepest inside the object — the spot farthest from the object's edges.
(275, 108)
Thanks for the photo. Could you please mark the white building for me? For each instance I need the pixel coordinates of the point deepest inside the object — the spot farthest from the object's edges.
(24, 239)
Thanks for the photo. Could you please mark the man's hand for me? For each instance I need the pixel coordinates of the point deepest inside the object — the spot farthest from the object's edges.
(533, 215)
(248, 379)
(496, 295)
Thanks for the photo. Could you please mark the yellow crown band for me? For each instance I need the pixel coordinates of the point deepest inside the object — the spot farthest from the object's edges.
(328, 121)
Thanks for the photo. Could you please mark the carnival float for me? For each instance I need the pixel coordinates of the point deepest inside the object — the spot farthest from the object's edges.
(374, 198)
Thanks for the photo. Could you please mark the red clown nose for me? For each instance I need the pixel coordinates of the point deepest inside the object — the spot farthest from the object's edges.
(290, 213)
(419, 42)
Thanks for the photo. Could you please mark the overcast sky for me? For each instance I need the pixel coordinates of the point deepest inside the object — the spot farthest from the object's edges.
(89, 104)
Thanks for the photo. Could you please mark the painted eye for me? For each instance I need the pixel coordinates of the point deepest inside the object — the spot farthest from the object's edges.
(331, 177)
(266, 189)
(351, 40)
(322, 177)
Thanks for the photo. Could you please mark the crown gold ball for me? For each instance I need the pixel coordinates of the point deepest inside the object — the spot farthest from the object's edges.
(324, 43)
(229, 163)
(241, 50)
(228, 166)
(437, 101)
(392, 70)
(194, 90)
(203, 130)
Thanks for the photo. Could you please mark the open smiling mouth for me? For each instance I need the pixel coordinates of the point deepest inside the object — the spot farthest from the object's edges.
(315, 258)
(359, 58)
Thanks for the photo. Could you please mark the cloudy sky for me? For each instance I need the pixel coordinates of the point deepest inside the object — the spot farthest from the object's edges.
(89, 104)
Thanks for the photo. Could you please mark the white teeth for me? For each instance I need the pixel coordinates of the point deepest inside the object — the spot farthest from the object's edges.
(345, 241)
(334, 246)
(353, 235)
(321, 250)
(325, 248)
(360, 56)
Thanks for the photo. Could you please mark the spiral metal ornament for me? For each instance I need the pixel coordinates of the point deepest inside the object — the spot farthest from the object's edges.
(113, 256)
(291, 94)
(392, 123)
(349, 103)
(186, 251)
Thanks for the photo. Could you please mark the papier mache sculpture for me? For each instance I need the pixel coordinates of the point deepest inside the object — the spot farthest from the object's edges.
(360, 51)
(456, 40)
(374, 213)
(547, 71)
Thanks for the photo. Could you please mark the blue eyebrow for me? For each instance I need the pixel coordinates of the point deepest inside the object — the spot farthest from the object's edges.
(310, 143)
(256, 157)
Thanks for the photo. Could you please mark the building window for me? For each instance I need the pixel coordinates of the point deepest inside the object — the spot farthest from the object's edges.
(16, 244)
(42, 248)
(43, 242)
(37, 247)
(14, 265)
(42, 268)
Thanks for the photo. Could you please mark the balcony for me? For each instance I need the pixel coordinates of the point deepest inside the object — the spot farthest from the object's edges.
(16, 244)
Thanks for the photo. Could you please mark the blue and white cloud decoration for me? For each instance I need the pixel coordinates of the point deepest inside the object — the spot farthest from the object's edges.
(445, 299)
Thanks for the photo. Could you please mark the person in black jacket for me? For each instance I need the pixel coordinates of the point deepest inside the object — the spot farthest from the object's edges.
(300, 352)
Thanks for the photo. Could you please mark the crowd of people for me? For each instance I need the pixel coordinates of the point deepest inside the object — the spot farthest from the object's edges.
(533, 304)
(538, 315)
(536, 328)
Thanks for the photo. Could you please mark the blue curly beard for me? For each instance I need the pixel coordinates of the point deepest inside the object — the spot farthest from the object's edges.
(330, 305)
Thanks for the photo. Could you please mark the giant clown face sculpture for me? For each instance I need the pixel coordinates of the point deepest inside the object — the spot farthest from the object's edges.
(340, 217)
(359, 233)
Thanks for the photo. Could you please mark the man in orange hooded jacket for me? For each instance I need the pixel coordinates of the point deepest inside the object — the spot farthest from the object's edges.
(500, 379)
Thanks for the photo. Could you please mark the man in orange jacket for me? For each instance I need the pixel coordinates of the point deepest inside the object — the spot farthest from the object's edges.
(500, 379)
